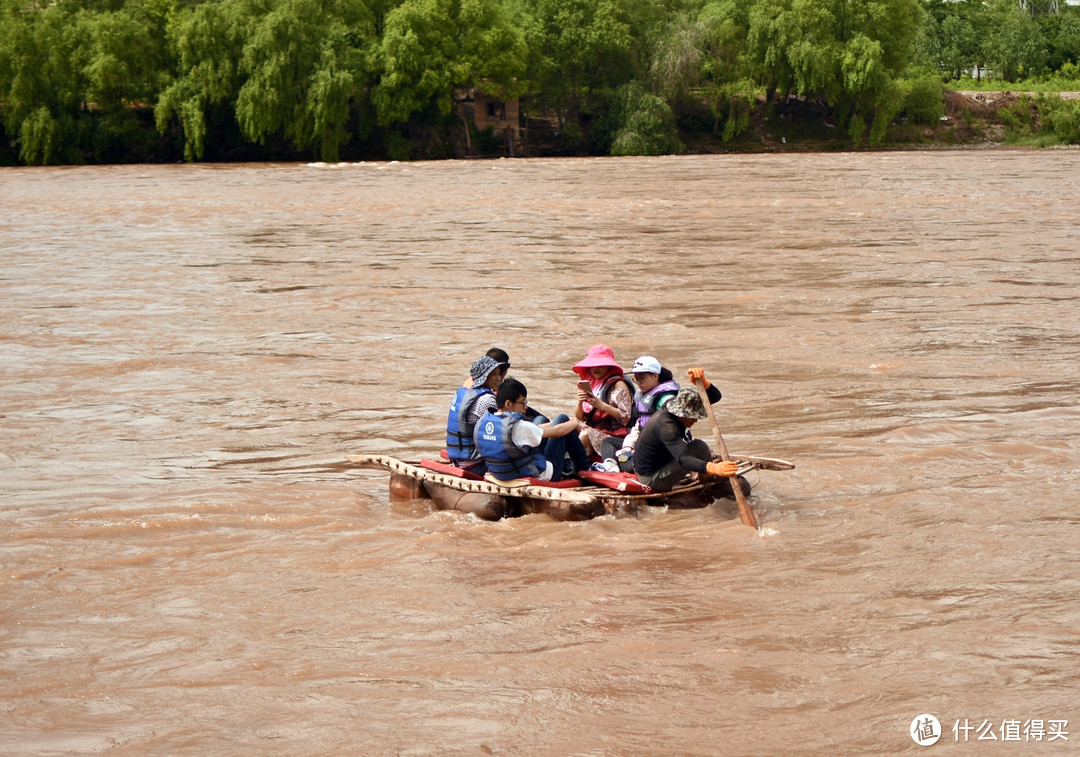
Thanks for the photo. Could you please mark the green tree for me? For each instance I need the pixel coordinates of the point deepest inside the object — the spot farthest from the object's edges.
(959, 50)
(677, 58)
(1062, 34)
(700, 56)
(847, 52)
(772, 31)
(725, 74)
(126, 67)
(42, 81)
(127, 58)
(1014, 47)
(925, 103)
(73, 74)
(431, 47)
(207, 41)
(581, 51)
(298, 69)
(646, 124)
(304, 68)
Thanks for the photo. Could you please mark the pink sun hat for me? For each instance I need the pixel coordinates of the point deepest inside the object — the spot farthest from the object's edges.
(599, 355)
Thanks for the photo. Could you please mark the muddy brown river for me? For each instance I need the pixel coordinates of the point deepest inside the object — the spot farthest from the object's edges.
(188, 354)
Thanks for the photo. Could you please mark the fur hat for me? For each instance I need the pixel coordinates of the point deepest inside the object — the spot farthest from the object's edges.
(687, 404)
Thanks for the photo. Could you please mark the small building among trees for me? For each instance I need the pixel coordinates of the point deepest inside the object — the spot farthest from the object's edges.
(496, 121)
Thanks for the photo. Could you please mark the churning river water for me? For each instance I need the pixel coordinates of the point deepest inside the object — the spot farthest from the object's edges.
(188, 353)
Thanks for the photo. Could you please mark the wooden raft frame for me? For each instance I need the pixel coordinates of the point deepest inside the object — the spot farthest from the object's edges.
(583, 495)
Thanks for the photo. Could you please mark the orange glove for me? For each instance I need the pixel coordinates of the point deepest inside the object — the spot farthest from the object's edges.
(698, 373)
(726, 468)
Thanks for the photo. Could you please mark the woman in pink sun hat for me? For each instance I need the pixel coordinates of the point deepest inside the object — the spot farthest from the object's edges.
(603, 404)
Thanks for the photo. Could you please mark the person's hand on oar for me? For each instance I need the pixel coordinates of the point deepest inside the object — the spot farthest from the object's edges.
(727, 468)
(697, 377)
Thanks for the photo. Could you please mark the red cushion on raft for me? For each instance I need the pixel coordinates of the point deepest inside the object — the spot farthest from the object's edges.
(621, 481)
(564, 484)
(451, 470)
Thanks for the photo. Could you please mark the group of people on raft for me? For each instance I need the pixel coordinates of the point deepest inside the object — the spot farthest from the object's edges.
(492, 431)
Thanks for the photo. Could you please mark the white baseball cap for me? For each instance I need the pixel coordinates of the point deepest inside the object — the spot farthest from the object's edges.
(646, 364)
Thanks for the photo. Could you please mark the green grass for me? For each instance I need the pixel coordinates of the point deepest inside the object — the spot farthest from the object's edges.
(1065, 80)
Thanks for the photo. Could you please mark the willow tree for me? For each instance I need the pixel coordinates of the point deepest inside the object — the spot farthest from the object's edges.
(725, 73)
(846, 52)
(294, 68)
(699, 57)
(305, 63)
(676, 58)
(72, 73)
(127, 60)
(581, 51)
(43, 81)
(645, 123)
(431, 47)
(40, 87)
(207, 40)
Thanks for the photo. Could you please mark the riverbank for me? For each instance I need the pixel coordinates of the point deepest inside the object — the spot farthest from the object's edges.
(970, 119)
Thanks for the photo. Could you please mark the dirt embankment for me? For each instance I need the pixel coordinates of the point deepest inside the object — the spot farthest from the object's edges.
(973, 117)
(984, 104)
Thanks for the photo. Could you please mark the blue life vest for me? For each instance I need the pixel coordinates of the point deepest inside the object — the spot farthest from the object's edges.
(504, 459)
(459, 432)
(645, 405)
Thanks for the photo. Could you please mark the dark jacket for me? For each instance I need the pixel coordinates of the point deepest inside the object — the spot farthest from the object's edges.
(664, 439)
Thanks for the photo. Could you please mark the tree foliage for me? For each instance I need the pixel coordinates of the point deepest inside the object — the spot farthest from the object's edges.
(925, 102)
(78, 78)
(638, 122)
(206, 41)
(432, 47)
(580, 52)
(1015, 45)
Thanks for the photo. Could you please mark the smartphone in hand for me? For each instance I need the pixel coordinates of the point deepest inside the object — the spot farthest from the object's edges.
(584, 386)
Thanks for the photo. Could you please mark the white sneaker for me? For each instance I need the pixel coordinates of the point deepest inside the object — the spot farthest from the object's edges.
(611, 465)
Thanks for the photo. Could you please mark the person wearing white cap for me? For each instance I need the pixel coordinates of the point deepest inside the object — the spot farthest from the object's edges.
(655, 386)
(666, 451)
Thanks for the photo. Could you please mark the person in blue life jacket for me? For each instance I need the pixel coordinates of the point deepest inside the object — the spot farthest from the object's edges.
(655, 386)
(501, 357)
(497, 354)
(470, 403)
(513, 447)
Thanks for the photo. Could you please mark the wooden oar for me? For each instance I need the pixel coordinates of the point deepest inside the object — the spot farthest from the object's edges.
(745, 513)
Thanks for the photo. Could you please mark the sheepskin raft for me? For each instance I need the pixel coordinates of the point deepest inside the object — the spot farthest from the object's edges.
(593, 494)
